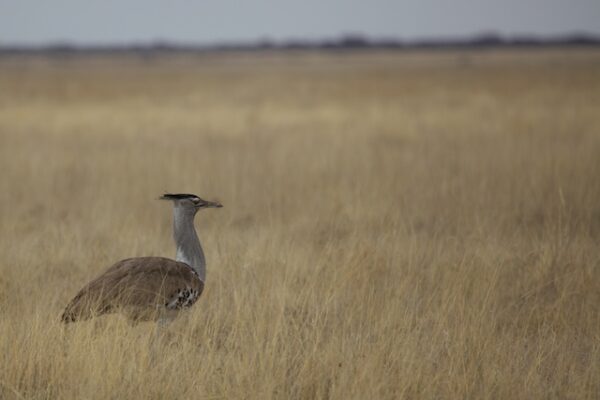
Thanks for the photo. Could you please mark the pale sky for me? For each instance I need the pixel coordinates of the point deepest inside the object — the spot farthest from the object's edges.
(203, 22)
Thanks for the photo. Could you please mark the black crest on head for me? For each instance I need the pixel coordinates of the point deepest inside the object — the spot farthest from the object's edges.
(178, 196)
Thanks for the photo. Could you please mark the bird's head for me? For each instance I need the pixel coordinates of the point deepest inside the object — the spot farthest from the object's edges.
(189, 202)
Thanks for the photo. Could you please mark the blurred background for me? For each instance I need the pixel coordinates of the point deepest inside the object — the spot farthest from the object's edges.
(410, 189)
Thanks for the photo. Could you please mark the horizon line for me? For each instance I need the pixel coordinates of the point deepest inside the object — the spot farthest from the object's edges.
(343, 40)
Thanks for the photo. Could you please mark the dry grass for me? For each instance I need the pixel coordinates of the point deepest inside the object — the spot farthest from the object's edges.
(396, 226)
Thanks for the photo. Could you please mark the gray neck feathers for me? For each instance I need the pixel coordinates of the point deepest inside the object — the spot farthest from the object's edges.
(189, 250)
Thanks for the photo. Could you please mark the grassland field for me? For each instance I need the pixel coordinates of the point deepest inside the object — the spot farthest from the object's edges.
(396, 225)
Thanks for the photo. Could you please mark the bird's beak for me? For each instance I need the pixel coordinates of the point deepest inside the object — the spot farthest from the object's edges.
(213, 204)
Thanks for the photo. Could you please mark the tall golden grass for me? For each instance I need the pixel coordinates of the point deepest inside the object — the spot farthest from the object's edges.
(396, 225)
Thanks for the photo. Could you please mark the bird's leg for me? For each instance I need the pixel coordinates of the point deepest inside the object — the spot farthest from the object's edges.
(162, 323)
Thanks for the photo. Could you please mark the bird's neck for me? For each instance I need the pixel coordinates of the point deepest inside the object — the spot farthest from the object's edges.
(188, 246)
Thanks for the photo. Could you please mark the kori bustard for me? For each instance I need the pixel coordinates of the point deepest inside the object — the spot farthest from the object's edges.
(150, 288)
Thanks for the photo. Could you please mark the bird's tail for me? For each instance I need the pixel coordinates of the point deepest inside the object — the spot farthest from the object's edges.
(68, 317)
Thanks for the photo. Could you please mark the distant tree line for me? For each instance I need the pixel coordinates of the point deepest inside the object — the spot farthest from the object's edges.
(346, 42)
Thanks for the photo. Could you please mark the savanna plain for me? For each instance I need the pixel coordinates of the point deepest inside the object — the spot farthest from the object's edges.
(396, 225)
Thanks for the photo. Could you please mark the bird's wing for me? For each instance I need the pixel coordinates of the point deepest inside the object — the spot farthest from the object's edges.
(141, 285)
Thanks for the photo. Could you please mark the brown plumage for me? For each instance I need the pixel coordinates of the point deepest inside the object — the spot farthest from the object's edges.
(144, 288)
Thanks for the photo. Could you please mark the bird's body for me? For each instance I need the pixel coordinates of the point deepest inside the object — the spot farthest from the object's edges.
(144, 288)
(150, 288)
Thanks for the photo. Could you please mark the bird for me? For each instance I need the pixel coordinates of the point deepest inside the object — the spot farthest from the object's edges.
(150, 288)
